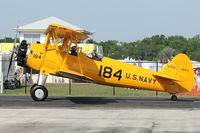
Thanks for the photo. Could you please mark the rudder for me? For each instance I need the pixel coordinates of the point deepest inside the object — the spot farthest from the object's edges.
(180, 68)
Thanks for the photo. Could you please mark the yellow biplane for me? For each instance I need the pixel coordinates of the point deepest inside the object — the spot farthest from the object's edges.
(68, 61)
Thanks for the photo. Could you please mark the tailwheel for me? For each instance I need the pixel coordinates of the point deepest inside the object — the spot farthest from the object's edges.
(38, 92)
(174, 98)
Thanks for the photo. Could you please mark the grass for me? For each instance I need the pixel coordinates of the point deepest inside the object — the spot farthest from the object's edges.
(90, 90)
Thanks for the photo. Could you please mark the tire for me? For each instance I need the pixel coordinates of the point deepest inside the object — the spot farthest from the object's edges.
(38, 93)
(174, 98)
(32, 88)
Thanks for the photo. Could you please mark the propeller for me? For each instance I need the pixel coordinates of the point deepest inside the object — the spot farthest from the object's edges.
(21, 56)
(21, 60)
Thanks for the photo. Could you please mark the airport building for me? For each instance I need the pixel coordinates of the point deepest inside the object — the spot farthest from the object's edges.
(34, 32)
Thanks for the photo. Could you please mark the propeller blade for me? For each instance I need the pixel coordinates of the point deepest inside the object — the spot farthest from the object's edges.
(10, 63)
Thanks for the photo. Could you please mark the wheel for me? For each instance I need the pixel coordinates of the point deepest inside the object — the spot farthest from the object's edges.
(32, 87)
(174, 98)
(6, 84)
(38, 92)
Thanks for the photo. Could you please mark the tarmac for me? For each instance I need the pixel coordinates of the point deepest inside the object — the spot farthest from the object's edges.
(99, 115)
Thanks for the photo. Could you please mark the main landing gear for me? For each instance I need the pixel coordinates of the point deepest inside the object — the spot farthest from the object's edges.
(38, 91)
(174, 97)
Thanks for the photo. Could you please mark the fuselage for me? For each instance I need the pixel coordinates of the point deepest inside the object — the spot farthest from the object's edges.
(105, 71)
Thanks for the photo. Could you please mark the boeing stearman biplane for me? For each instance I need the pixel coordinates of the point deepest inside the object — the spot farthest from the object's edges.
(68, 61)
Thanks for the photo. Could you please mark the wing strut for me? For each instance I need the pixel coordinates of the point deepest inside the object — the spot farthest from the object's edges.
(67, 52)
(78, 56)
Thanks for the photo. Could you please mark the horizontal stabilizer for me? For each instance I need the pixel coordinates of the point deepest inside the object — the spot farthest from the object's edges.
(162, 75)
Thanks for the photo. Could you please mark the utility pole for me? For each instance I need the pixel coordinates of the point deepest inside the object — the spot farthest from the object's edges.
(156, 71)
(113, 90)
(70, 86)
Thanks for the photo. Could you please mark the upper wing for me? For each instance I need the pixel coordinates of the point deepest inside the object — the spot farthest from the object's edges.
(62, 32)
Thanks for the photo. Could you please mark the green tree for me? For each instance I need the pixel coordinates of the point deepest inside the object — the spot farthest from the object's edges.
(167, 52)
(153, 48)
(9, 40)
(149, 48)
(179, 43)
(111, 49)
(91, 41)
(193, 48)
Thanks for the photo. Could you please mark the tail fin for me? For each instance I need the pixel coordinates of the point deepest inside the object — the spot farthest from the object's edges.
(181, 71)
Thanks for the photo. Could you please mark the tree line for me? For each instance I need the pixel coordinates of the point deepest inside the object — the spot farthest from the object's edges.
(156, 48)
(9, 40)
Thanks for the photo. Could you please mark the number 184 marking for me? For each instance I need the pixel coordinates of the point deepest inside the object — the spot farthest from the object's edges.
(106, 72)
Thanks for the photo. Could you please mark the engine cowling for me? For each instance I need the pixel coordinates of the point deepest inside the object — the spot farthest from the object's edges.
(22, 53)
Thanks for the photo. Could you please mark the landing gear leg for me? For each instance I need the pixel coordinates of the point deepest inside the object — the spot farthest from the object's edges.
(38, 91)
(174, 97)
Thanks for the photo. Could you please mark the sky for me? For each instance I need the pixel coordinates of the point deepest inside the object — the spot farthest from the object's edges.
(122, 20)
